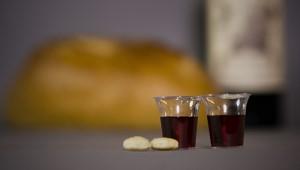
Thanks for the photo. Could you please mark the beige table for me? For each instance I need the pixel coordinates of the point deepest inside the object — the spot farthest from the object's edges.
(263, 149)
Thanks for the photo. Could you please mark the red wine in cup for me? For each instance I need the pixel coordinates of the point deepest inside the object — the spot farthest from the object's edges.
(183, 129)
(226, 130)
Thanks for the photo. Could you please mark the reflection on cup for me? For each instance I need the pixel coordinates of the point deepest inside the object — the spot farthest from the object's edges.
(226, 118)
(179, 117)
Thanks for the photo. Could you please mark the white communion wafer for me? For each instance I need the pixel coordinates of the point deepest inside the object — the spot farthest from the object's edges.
(164, 143)
(136, 143)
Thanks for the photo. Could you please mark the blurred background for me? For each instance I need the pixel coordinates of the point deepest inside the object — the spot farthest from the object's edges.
(49, 47)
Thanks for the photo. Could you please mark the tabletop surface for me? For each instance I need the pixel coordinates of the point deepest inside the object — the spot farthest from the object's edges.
(263, 149)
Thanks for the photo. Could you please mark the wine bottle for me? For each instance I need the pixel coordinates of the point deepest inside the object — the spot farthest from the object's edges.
(246, 54)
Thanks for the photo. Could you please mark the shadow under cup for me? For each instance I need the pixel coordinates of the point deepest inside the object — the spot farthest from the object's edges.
(179, 117)
(226, 118)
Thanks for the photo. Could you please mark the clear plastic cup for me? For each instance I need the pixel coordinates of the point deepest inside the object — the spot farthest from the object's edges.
(179, 117)
(226, 118)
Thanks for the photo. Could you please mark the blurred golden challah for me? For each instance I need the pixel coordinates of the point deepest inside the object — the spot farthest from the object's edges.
(90, 82)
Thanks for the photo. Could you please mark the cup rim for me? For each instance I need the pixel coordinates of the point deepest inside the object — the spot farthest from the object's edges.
(177, 97)
(228, 95)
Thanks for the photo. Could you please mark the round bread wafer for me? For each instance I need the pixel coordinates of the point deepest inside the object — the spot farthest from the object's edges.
(164, 143)
(136, 143)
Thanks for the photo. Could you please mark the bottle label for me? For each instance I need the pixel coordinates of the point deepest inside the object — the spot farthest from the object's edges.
(245, 44)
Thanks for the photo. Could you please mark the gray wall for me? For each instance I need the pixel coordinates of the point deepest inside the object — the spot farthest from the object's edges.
(24, 24)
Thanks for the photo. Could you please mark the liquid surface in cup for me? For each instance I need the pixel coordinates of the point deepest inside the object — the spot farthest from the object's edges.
(226, 130)
(183, 129)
